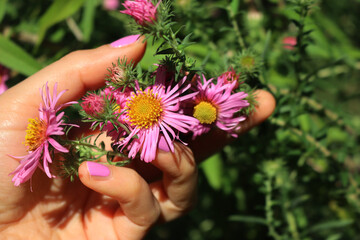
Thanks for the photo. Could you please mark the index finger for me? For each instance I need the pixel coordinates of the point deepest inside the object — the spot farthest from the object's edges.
(77, 72)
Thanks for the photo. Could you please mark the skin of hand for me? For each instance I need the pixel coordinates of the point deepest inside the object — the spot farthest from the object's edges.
(123, 205)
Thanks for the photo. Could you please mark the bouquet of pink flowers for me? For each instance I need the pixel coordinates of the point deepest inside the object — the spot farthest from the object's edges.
(141, 111)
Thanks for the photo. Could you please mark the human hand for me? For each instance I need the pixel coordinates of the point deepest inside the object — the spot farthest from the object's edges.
(121, 205)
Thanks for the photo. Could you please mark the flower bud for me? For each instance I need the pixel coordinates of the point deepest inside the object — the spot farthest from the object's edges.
(93, 105)
(111, 4)
(143, 11)
(229, 77)
(289, 43)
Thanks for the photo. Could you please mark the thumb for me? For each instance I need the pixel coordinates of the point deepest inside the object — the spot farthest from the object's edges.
(78, 72)
(138, 207)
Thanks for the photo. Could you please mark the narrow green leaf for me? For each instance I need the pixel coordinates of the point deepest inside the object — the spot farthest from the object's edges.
(213, 170)
(248, 219)
(87, 22)
(335, 236)
(187, 38)
(2, 9)
(266, 45)
(235, 6)
(165, 51)
(14, 57)
(330, 225)
(57, 12)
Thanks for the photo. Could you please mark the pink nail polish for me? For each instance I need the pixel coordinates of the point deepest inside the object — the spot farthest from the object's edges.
(163, 145)
(125, 41)
(97, 169)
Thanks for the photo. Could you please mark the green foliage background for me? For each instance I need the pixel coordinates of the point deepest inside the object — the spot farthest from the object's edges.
(294, 177)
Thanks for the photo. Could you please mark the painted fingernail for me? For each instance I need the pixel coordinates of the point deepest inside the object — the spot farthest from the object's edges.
(125, 41)
(163, 145)
(97, 169)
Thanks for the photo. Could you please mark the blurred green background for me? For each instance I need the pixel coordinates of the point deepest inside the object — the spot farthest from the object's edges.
(297, 176)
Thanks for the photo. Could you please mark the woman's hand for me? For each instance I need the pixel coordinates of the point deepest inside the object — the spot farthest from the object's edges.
(107, 202)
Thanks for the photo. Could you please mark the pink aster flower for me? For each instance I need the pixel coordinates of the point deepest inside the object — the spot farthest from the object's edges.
(111, 4)
(143, 11)
(216, 104)
(40, 137)
(153, 113)
(4, 76)
(289, 43)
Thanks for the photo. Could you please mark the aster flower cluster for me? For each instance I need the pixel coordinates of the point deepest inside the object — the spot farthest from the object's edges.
(141, 117)
(141, 111)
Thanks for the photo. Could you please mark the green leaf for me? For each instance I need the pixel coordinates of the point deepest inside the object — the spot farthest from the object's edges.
(2, 9)
(305, 122)
(266, 45)
(235, 6)
(330, 225)
(335, 236)
(248, 219)
(57, 12)
(165, 51)
(14, 57)
(87, 22)
(213, 170)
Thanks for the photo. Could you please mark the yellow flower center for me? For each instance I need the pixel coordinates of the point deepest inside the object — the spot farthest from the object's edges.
(205, 112)
(144, 109)
(35, 133)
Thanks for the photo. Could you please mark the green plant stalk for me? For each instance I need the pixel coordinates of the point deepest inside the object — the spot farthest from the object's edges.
(300, 50)
(172, 42)
(96, 152)
(236, 28)
(268, 210)
(75, 29)
(289, 216)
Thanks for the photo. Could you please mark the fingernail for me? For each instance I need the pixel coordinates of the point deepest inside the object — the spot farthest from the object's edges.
(97, 169)
(163, 145)
(125, 41)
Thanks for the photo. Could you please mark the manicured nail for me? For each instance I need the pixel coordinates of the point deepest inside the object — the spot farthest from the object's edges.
(125, 41)
(97, 169)
(163, 145)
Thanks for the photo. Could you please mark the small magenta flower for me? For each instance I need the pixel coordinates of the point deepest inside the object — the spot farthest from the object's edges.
(40, 137)
(93, 105)
(4, 76)
(143, 11)
(111, 4)
(289, 43)
(216, 104)
(152, 113)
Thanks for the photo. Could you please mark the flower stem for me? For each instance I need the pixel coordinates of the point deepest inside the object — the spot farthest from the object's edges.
(268, 210)
(236, 28)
